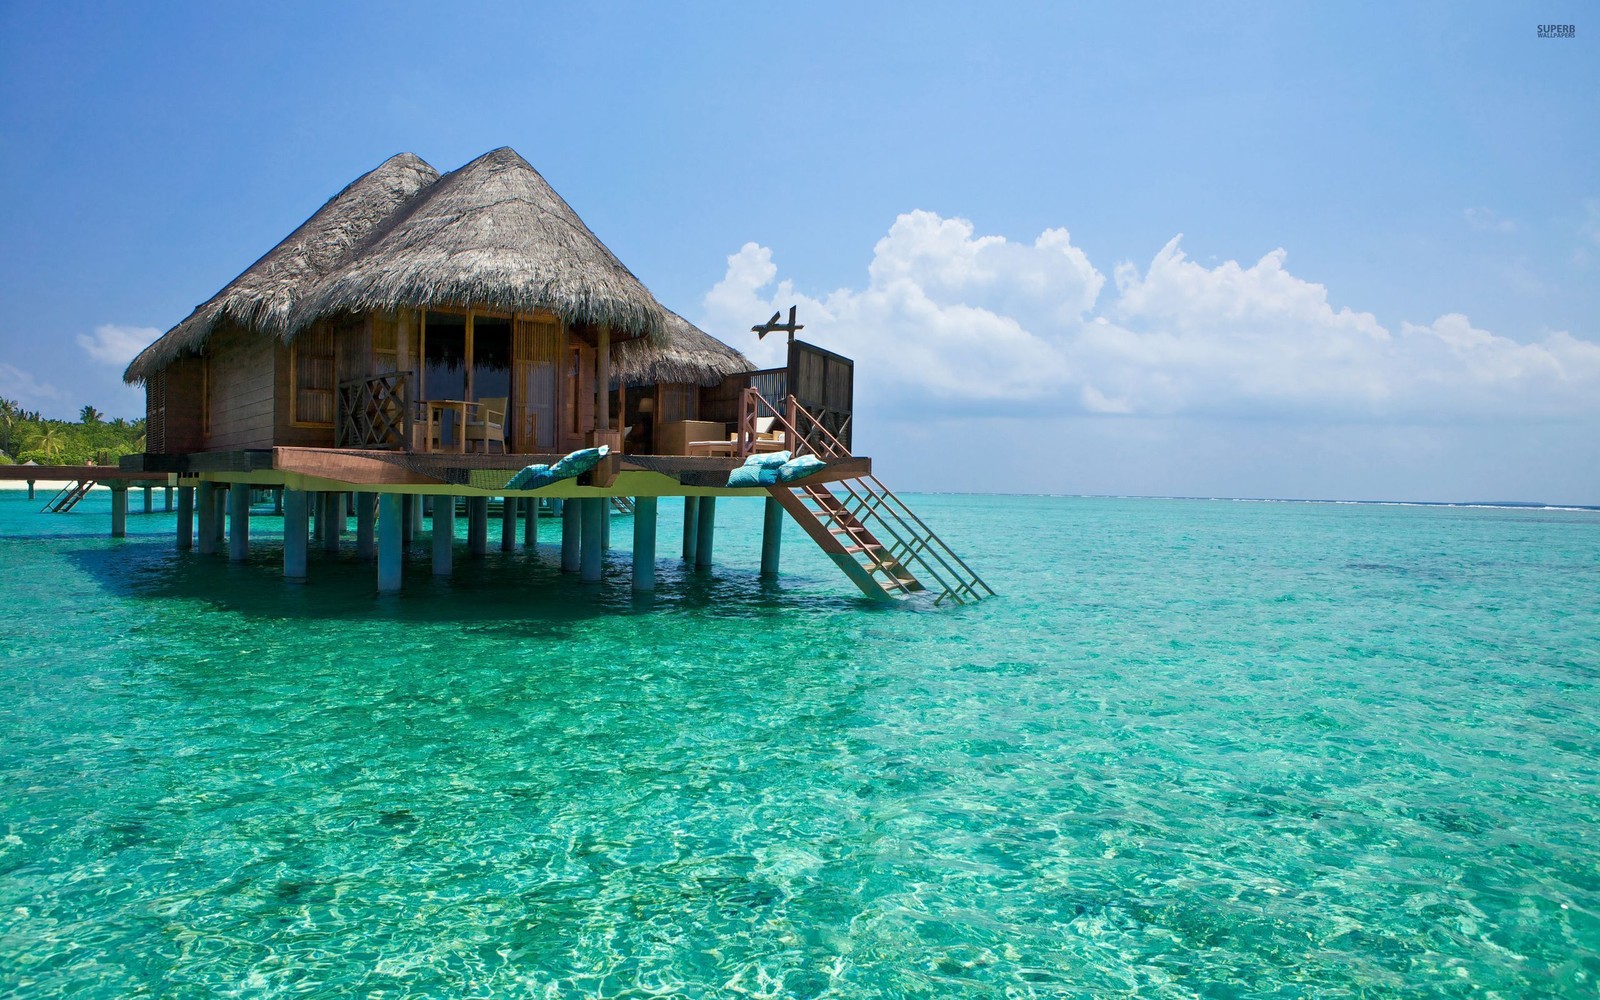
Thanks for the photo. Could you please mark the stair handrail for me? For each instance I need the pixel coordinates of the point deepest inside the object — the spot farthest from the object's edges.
(897, 507)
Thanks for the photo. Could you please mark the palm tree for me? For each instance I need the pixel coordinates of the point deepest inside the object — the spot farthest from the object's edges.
(49, 444)
(89, 415)
(8, 416)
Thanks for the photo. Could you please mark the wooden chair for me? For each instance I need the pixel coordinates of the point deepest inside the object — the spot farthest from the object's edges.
(488, 423)
(769, 436)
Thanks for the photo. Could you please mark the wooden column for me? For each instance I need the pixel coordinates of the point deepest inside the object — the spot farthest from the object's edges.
(238, 522)
(593, 558)
(706, 531)
(296, 533)
(149, 500)
(477, 526)
(206, 500)
(119, 510)
(602, 379)
(530, 525)
(366, 525)
(571, 530)
(444, 535)
(391, 550)
(185, 518)
(508, 523)
(333, 521)
(771, 538)
(691, 508)
(644, 543)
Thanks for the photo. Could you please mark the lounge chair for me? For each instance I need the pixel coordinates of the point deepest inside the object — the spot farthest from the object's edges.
(487, 423)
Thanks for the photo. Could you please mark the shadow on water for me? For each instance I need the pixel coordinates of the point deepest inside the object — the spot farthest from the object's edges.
(514, 590)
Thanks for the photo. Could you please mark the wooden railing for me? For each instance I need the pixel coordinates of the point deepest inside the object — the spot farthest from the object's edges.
(908, 539)
(373, 412)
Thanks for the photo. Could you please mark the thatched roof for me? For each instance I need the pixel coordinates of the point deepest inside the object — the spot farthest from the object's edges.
(495, 234)
(687, 355)
(264, 295)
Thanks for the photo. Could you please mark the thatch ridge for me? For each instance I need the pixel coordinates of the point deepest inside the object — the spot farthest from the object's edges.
(687, 355)
(493, 234)
(263, 297)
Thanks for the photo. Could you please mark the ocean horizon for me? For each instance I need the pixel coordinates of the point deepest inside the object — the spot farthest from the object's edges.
(1194, 747)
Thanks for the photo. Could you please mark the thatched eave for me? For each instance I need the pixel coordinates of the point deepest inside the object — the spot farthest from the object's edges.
(263, 297)
(689, 356)
(492, 235)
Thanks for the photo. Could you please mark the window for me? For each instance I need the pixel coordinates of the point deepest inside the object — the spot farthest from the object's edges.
(311, 362)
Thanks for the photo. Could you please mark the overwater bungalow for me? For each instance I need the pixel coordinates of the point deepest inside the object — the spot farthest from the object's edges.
(425, 342)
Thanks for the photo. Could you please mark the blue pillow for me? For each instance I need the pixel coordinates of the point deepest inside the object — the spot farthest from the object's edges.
(770, 459)
(753, 475)
(799, 468)
(579, 462)
(576, 464)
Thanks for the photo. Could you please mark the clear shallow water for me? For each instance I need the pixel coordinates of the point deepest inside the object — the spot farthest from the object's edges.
(1194, 749)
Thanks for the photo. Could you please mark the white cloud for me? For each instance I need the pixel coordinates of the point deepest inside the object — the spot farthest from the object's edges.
(24, 388)
(953, 319)
(117, 345)
(1488, 221)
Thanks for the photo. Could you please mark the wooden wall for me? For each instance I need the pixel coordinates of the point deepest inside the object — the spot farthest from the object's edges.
(240, 375)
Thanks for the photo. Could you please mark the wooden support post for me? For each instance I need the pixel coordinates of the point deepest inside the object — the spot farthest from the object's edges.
(296, 532)
(602, 379)
(149, 500)
(444, 535)
(571, 530)
(333, 521)
(168, 507)
(366, 526)
(206, 500)
(119, 510)
(691, 507)
(391, 550)
(771, 538)
(530, 525)
(706, 529)
(593, 558)
(508, 523)
(238, 522)
(644, 544)
(477, 526)
(185, 518)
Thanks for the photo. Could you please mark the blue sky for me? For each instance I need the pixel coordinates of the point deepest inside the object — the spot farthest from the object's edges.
(1289, 250)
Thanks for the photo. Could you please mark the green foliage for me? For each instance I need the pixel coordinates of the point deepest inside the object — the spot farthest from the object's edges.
(25, 436)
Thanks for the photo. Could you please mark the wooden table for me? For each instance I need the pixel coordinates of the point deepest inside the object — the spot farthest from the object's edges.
(436, 408)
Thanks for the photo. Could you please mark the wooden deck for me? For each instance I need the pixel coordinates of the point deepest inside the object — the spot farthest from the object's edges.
(74, 473)
(464, 474)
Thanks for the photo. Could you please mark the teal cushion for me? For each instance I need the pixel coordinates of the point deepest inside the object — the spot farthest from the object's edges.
(576, 464)
(799, 468)
(771, 459)
(753, 475)
(579, 462)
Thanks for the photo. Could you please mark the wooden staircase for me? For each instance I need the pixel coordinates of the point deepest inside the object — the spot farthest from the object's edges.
(871, 534)
(69, 496)
(622, 505)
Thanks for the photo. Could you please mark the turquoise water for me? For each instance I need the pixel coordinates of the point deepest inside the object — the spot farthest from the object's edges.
(1193, 749)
